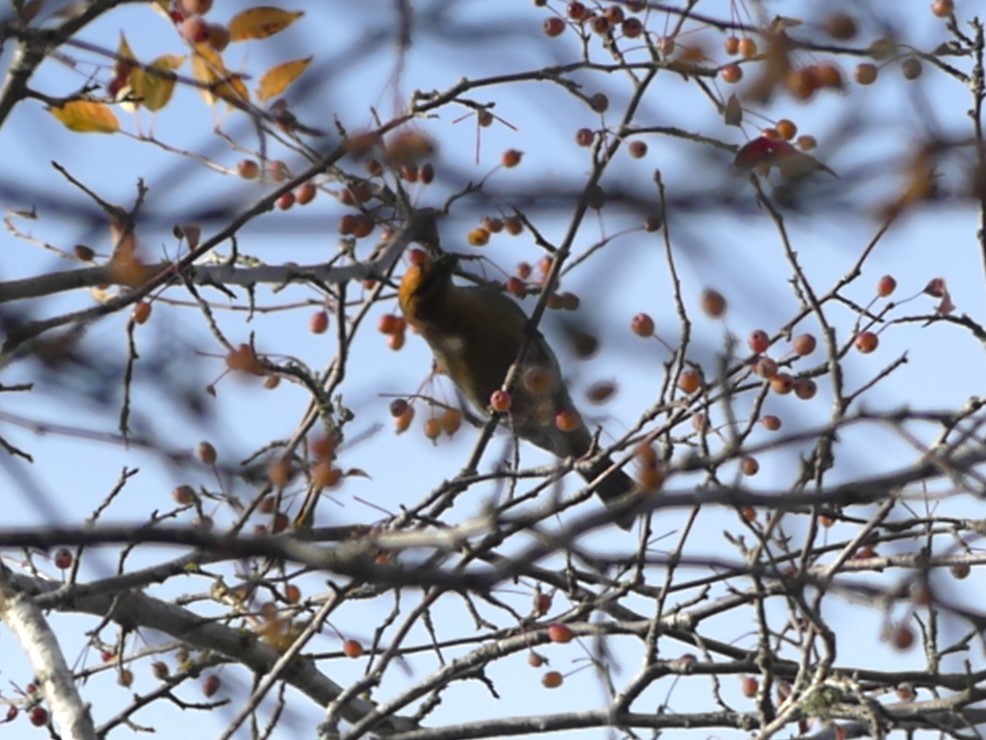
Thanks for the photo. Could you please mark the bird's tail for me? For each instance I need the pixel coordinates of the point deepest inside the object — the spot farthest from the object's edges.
(612, 488)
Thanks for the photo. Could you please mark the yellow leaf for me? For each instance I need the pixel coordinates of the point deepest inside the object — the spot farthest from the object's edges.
(261, 22)
(208, 68)
(86, 117)
(153, 89)
(276, 79)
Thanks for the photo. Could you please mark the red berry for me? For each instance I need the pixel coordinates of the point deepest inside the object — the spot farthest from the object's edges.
(552, 680)
(63, 558)
(352, 648)
(500, 401)
(642, 325)
(866, 342)
(885, 286)
(553, 26)
(758, 341)
(804, 344)
(560, 633)
(318, 322)
(731, 73)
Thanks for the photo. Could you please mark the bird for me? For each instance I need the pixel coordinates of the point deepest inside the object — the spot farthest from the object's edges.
(476, 334)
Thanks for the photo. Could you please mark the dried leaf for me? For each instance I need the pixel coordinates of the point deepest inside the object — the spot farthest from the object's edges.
(733, 113)
(260, 23)
(276, 79)
(86, 117)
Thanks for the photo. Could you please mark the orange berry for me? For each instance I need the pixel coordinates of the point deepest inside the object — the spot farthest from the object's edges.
(766, 368)
(782, 384)
(285, 201)
(806, 143)
(731, 73)
(758, 341)
(568, 420)
(248, 169)
(749, 465)
(513, 225)
(433, 428)
(206, 453)
(632, 28)
(885, 286)
(911, 68)
(748, 47)
(352, 648)
(637, 149)
(642, 325)
(713, 303)
(771, 422)
(690, 381)
(960, 570)
(828, 75)
(478, 237)
(305, 193)
(451, 421)
(866, 342)
(902, 637)
(292, 594)
(805, 388)
(183, 495)
(389, 324)
(584, 137)
(535, 660)
(211, 685)
(553, 26)
(395, 341)
(865, 73)
(141, 312)
(63, 558)
(560, 633)
(770, 133)
(943, 8)
(398, 406)
(787, 129)
(804, 344)
(731, 45)
(552, 680)
(403, 422)
(318, 322)
(749, 685)
(511, 158)
(347, 224)
(500, 401)
(492, 225)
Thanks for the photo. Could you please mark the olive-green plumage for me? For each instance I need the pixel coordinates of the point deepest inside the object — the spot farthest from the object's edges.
(476, 335)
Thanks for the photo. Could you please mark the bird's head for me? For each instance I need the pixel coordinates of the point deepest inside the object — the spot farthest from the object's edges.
(424, 282)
